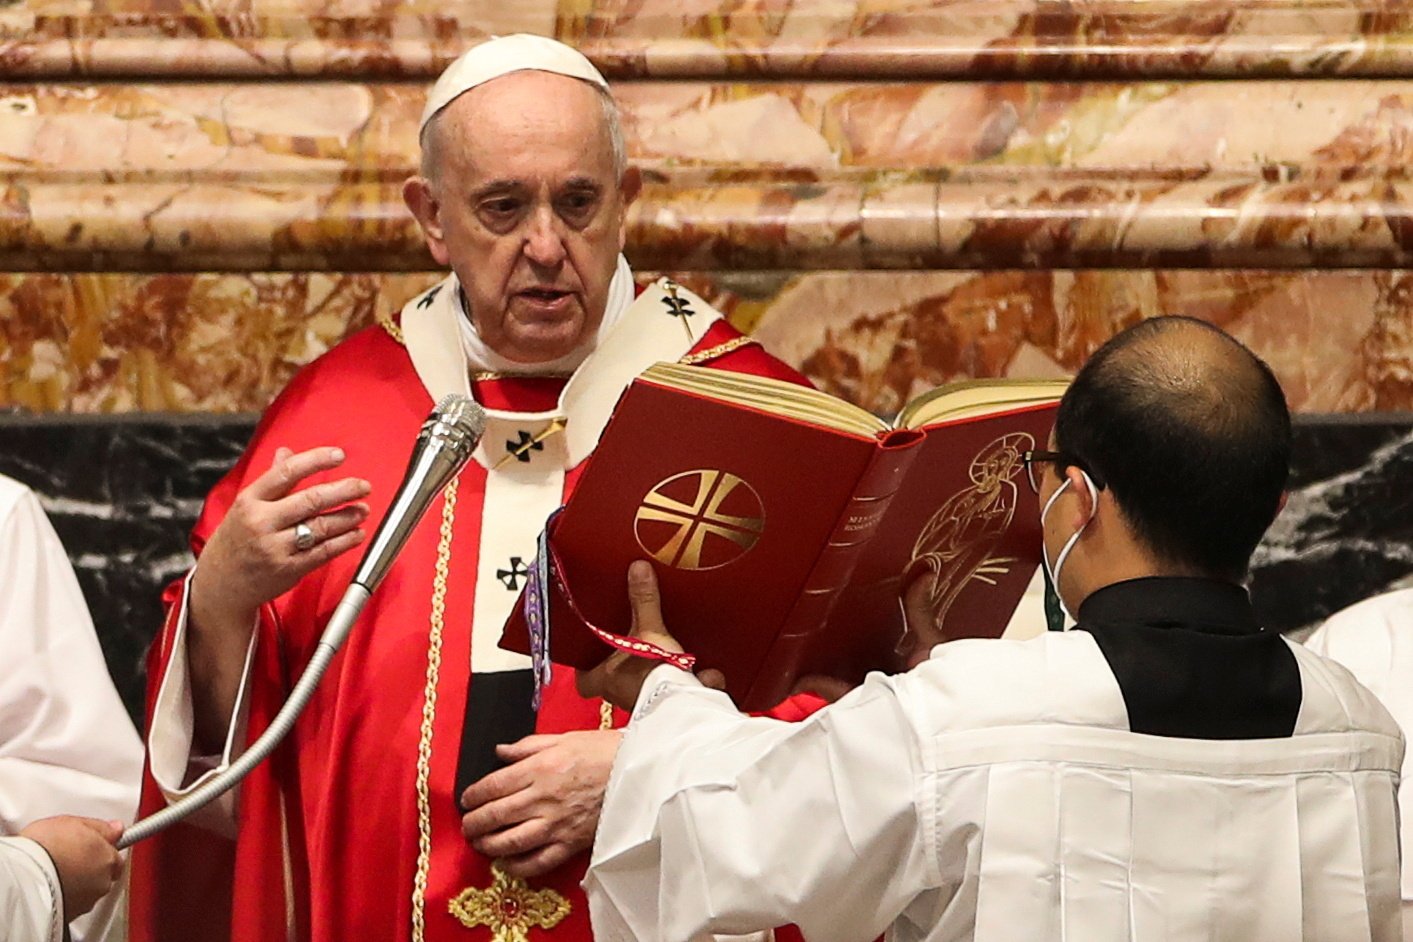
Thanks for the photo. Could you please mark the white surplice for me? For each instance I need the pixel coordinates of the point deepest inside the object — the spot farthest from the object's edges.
(66, 743)
(995, 793)
(30, 898)
(1374, 639)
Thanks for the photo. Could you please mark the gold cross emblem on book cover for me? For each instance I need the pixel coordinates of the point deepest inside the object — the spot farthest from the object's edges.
(700, 519)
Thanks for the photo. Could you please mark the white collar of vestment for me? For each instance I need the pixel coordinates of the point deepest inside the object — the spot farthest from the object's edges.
(664, 323)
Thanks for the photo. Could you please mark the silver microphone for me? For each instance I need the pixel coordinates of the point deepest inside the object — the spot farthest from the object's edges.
(444, 445)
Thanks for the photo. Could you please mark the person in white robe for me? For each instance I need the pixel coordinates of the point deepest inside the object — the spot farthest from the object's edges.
(1374, 639)
(1166, 771)
(66, 743)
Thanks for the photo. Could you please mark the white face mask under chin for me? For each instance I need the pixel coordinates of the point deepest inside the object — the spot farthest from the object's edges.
(1054, 573)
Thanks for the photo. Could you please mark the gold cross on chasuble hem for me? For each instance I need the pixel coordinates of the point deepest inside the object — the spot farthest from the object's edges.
(509, 908)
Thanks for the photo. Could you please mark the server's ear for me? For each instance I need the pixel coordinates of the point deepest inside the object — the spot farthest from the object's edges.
(1086, 495)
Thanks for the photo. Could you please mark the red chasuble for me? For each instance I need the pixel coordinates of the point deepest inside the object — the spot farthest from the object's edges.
(331, 845)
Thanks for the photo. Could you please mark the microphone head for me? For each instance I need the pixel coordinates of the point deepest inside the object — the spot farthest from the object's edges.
(444, 445)
(462, 411)
(457, 422)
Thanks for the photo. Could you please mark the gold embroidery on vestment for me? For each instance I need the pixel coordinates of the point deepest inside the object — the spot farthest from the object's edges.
(678, 307)
(711, 353)
(483, 376)
(508, 907)
(557, 425)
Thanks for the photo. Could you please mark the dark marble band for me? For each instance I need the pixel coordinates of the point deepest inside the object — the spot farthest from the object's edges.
(123, 492)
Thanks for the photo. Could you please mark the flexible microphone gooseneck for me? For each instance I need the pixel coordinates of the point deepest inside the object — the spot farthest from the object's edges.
(444, 445)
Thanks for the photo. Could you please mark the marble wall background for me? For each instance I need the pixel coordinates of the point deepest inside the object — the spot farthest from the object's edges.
(122, 493)
(197, 197)
(260, 176)
(1340, 341)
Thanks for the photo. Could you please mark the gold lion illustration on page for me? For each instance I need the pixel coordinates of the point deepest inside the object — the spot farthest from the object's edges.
(956, 544)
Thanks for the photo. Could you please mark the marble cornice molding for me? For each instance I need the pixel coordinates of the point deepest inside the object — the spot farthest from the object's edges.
(981, 221)
(286, 176)
(778, 39)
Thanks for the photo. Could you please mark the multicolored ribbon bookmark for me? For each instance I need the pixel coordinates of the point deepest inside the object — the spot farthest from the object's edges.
(536, 602)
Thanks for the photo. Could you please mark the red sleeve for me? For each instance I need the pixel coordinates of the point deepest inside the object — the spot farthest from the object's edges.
(795, 708)
(181, 879)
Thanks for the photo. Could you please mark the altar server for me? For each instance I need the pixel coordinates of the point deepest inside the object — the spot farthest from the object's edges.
(1169, 770)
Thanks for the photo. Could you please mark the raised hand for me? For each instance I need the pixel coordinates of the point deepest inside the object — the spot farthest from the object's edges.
(255, 553)
(274, 534)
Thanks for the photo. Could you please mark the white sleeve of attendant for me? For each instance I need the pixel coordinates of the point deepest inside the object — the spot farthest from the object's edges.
(715, 823)
(66, 743)
(170, 740)
(31, 902)
(1373, 640)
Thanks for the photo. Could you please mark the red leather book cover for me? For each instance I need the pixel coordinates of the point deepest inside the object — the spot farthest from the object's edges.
(780, 544)
(731, 504)
(965, 520)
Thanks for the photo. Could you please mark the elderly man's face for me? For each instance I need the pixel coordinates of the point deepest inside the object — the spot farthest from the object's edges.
(524, 205)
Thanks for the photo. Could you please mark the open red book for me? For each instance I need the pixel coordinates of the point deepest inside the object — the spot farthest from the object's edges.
(781, 520)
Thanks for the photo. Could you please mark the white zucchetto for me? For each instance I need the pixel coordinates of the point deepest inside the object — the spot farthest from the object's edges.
(502, 55)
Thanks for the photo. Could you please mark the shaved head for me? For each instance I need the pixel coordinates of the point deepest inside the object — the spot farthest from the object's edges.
(1196, 374)
(1191, 432)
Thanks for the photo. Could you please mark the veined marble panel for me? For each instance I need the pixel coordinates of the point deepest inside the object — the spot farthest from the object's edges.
(769, 38)
(877, 224)
(57, 39)
(1347, 530)
(123, 494)
(297, 177)
(1340, 341)
(105, 343)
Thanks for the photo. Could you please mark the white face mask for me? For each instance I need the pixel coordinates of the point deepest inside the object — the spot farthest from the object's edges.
(1054, 573)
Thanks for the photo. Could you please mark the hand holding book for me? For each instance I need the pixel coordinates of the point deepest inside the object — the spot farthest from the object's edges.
(619, 678)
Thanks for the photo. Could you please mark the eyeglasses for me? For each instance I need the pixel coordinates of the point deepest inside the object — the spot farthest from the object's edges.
(1033, 458)
(1062, 460)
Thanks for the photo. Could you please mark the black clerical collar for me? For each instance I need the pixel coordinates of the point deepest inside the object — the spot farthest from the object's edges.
(1192, 661)
(1207, 605)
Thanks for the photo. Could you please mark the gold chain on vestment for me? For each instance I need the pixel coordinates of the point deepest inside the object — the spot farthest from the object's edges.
(394, 331)
(429, 714)
(711, 353)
